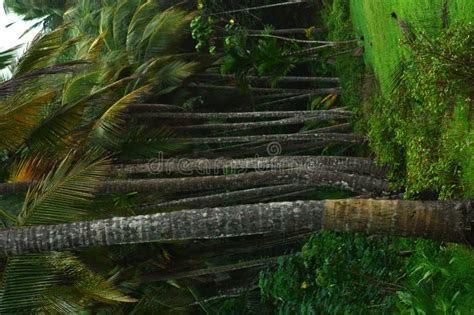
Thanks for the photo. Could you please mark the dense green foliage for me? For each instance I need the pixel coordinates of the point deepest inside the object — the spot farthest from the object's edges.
(66, 108)
(351, 274)
(422, 127)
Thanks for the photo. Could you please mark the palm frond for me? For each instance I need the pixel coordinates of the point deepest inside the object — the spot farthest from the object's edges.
(25, 281)
(123, 14)
(19, 115)
(65, 193)
(165, 32)
(57, 130)
(142, 16)
(79, 86)
(7, 57)
(28, 81)
(107, 127)
(89, 283)
(41, 52)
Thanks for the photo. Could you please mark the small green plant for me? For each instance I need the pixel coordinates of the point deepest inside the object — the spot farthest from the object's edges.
(203, 33)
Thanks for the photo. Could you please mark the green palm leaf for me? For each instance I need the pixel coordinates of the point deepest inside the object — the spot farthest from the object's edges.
(165, 32)
(107, 127)
(43, 51)
(122, 16)
(7, 57)
(25, 281)
(57, 130)
(19, 115)
(142, 16)
(66, 193)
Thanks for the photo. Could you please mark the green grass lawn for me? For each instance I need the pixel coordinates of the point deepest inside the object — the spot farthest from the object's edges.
(383, 53)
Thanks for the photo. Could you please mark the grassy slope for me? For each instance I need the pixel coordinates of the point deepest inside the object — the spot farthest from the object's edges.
(383, 52)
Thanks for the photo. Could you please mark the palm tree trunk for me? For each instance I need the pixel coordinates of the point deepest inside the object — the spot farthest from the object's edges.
(241, 115)
(137, 108)
(224, 199)
(330, 129)
(286, 79)
(438, 220)
(305, 41)
(211, 270)
(298, 120)
(288, 31)
(320, 91)
(213, 166)
(307, 176)
(268, 6)
(334, 137)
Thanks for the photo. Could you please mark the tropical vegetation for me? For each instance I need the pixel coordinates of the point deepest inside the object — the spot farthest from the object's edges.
(230, 157)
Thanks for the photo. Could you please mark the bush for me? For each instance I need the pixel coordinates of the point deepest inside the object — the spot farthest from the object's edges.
(338, 273)
(420, 128)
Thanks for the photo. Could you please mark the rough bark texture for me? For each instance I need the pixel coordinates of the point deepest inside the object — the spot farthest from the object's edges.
(317, 177)
(225, 199)
(238, 115)
(264, 124)
(210, 166)
(287, 79)
(341, 128)
(334, 137)
(262, 7)
(307, 176)
(446, 221)
(438, 220)
(320, 91)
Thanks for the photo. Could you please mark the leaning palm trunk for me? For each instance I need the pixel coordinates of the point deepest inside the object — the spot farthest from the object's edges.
(320, 91)
(308, 176)
(241, 115)
(262, 262)
(330, 129)
(286, 79)
(225, 199)
(438, 220)
(137, 108)
(262, 7)
(298, 120)
(289, 31)
(322, 137)
(210, 166)
(306, 41)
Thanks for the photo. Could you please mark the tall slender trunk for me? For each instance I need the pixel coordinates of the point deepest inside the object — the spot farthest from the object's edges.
(268, 6)
(288, 31)
(336, 137)
(305, 41)
(240, 115)
(340, 127)
(298, 120)
(209, 271)
(137, 108)
(224, 199)
(286, 79)
(285, 100)
(210, 166)
(320, 91)
(438, 220)
(306, 175)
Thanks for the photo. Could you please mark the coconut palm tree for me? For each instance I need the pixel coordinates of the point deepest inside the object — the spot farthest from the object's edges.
(438, 220)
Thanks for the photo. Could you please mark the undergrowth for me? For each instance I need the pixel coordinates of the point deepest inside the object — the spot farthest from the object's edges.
(421, 129)
(339, 273)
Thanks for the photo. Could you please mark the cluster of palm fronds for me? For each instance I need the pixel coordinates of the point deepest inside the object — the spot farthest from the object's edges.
(62, 118)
